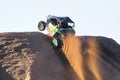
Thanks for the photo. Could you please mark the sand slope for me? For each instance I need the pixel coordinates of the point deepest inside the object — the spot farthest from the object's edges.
(31, 56)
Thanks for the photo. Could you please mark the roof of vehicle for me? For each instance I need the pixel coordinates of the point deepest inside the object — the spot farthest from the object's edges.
(61, 19)
(65, 19)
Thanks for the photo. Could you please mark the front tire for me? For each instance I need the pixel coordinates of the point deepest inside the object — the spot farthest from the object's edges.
(41, 25)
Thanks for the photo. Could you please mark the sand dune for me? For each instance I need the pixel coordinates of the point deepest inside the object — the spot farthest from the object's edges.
(31, 56)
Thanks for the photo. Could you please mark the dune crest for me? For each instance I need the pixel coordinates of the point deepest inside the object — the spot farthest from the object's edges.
(31, 56)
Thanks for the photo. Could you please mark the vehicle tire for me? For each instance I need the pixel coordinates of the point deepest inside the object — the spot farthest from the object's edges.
(57, 42)
(41, 25)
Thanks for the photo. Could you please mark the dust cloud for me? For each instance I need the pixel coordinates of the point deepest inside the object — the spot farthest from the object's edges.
(83, 56)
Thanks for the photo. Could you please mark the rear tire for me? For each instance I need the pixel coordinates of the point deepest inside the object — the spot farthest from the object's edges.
(57, 42)
(41, 25)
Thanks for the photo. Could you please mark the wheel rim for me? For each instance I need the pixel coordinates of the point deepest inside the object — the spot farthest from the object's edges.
(41, 26)
(55, 43)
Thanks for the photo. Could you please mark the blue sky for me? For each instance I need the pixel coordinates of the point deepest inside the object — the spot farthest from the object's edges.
(92, 17)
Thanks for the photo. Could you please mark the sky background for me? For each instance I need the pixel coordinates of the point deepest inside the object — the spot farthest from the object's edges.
(92, 17)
